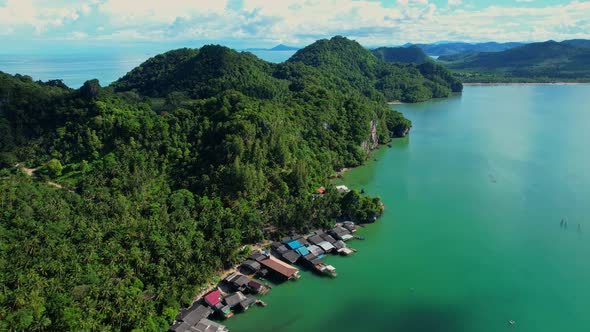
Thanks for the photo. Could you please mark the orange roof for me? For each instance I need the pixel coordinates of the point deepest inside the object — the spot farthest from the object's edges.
(279, 266)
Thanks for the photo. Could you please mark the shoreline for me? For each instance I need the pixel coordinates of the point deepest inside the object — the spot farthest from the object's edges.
(526, 83)
(341, 172)
(340, 232)
(217, 277)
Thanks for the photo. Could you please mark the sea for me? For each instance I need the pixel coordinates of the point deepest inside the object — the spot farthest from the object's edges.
(76, 68)
(472, 236)
(487, 216)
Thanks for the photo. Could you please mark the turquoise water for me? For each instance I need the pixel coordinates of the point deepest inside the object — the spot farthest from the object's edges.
(471, 236)
(75, 69)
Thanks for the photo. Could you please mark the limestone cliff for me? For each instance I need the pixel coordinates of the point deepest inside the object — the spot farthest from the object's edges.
(372, 141)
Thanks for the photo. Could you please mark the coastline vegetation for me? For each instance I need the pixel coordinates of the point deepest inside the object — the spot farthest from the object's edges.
(410, 54)
(547, 62)
(160, 178)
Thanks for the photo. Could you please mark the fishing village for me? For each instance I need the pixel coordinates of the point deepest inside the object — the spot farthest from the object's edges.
(274, 263)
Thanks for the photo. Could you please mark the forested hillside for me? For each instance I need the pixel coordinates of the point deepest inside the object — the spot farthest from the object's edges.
(345, 64)
(410, 54)
(450, 48)
(544, 62)
(158, 180)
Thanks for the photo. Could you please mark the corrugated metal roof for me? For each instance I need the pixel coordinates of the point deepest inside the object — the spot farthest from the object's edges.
(326, 246)
(303, 251)
(315, 250)
(213, 298)
(291, 256)
(294, 244)
(279, 267)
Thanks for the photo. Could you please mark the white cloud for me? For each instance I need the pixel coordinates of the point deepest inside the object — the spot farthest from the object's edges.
(37, 14)
(293, 21)
(141, 11)
(77, 35)
(411, 2)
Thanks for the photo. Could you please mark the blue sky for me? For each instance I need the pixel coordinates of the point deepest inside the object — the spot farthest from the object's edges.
(67, 24)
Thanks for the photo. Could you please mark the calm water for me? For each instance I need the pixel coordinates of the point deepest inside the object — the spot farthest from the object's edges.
(471, 237)
(75, 69)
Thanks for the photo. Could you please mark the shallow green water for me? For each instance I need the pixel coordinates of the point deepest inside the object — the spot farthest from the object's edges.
(471, 237)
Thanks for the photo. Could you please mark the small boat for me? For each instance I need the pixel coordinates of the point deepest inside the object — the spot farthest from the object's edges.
(359, 237)
(261, 303)
(511, 322)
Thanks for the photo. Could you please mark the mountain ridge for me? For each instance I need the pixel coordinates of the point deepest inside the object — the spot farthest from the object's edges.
(449, 48)
(409, 54)
(543, 61)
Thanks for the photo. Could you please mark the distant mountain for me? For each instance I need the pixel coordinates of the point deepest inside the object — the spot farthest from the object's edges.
(411, 54)
(282, 47)
(279, 47)
(577, 42)
(439, 49)
(546, 61)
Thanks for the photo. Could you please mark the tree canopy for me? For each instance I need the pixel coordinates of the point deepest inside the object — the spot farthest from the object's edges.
(170, 170)
(548, 61)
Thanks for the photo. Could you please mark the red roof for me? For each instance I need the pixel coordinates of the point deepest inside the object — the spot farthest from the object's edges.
(213, 298)
(321, 190)
(254, 284)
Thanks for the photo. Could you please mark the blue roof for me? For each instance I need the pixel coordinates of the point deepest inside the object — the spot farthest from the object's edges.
(294, 244)
(303, 251)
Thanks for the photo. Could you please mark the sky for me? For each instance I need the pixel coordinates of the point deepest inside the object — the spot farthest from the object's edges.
(69, 24)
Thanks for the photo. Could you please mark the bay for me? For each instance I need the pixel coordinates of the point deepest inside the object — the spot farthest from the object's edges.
(471, 235)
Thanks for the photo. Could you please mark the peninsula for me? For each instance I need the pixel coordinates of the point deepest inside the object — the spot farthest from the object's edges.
(158, 181)
(546, 62)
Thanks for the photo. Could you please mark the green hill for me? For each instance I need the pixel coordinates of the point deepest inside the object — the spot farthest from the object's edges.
(200, 74)
(547, 61)
(144, 190)
(345, 64)
(411, 54)
(450, 48)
